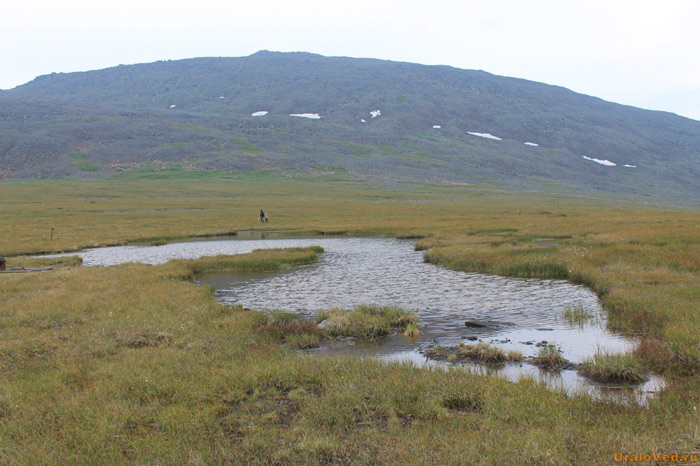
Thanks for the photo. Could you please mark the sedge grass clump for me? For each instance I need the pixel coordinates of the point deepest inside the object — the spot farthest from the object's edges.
(464, 402)
(532, 268)
(291, 329)
(142, 340)
(549, 357)
(484, 353)
(282, 317)
(613, 368)
(577, 315)
(366, 321)
(304, 340)
(412, 330)
(436, 352)
(514, 356)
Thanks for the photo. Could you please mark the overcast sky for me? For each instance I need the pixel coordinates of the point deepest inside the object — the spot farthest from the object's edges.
(641, 53)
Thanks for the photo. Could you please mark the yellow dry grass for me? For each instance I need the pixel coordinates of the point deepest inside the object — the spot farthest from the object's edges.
(137, 364)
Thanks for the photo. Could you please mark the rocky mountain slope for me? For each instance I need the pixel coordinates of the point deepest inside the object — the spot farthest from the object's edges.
(382, 120)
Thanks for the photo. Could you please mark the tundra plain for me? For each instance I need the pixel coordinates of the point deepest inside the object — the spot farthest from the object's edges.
(138, 364)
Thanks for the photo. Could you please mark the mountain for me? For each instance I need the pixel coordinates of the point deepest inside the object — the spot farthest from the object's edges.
(375, 119)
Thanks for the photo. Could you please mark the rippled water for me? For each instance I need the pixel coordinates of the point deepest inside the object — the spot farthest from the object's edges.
(387, 271)
(390, 272)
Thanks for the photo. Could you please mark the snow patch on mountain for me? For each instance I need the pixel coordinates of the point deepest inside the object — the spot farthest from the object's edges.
(310, 116)
(486, 135)
(607, 163)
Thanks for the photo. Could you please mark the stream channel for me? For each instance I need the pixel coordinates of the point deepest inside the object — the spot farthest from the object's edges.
(387, 271)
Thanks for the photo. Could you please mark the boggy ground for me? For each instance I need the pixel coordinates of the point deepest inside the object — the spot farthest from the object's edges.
(137, 364)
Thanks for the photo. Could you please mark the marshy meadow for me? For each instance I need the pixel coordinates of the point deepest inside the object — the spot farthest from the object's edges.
(138, 363)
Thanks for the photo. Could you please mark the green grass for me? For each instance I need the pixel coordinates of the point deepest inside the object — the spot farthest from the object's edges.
(82, 162)
(412, 330)
(363, 322)
(290, 329)
(577, 315)
(388, 150)
(137, 364)
(39, 262)
(366, 321)
(482, 353)
(197, 129)
(615, 368)
(496, 232)
(268, 260)
(521, 267)
(416, 150)
(246, 147)
(549, 357)
(183, 171)
(359, 150)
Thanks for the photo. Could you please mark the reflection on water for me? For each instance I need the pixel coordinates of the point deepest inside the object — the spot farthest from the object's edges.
(390, 272)
(387, 271)
(567, 380)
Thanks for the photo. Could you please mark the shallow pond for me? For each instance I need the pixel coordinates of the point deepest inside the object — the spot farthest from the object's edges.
(386, 271)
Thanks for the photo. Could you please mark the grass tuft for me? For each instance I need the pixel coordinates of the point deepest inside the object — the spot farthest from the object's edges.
(515, 356)
(464, 403)
(613, 368)
(412, 330)
(549, 357)
(577, 315)
(482, 353)
(291, 329)
(143, 340)
(82, 162)
(366, 321)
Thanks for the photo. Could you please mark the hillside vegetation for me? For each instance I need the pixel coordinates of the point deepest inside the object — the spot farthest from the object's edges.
(378, 120)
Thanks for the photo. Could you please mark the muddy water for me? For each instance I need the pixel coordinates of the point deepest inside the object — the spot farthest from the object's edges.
(386, 271)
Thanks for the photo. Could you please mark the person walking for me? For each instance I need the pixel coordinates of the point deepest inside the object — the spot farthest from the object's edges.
(262, 216)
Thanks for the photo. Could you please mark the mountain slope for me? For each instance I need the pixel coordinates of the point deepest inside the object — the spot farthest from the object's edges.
(378, 119)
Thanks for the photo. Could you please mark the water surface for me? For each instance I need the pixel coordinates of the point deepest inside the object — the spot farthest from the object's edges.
(387, 271)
